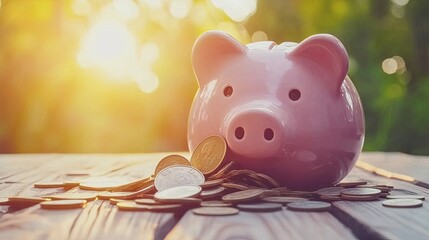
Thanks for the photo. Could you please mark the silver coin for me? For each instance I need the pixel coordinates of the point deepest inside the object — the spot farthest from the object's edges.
(309, 206)
(175, 176)
(177, 193)
(403, 203)
(260, 207)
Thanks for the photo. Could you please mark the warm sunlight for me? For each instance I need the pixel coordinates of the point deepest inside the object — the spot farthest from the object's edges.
(109, 46)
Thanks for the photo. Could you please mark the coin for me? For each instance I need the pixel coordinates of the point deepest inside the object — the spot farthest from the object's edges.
(63, 204)
(77, 173)
(211, 193)
(330, 191)
(243, 196)
(4, 201)
(115, 201)
(15, 200)
(212, 183)
(419, 197)
(235, 186)
(170, 161)
(74, 196)
(132, 186)
(172, 194)
(283, 200)
(49, 185)
(209, 154)
(351, 183)
(260, 207)
(215, 203)
(102, 183)
(215, 211)
(221, 173)
(268, 179)
(309, 206)
(133, 206)
(403, 203)
(70, 184)
(361, 191)
(147, 201)
(359, 197)
(175, 176)
(125, 195)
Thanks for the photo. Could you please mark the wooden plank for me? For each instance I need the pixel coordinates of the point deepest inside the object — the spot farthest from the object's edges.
(410, 165)
(99, 219)
(283, 224)
(371, 220)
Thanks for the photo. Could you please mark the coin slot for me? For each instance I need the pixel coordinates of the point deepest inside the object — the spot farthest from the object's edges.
(294, 95)
(239, 133)
(227, 91)
(268, 134)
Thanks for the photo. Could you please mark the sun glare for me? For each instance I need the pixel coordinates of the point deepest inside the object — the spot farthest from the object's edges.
(108, 45)
(237, 10)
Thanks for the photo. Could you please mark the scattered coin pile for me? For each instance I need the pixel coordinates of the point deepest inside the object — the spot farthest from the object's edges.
(210, 185)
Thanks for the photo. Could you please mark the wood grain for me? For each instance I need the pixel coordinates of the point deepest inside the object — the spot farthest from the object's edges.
(282, 224)
(410, 165)
(99, 219)
(371, 220)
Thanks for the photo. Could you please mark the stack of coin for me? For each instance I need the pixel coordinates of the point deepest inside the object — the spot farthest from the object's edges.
(211, 185)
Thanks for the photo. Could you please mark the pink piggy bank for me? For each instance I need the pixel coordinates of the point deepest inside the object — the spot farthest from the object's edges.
(289, 110)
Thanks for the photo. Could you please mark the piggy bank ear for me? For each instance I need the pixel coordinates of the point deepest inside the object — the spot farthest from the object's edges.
(327, 52)
(211, 50)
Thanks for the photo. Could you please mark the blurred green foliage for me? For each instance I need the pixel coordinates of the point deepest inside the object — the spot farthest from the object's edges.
(51, 102)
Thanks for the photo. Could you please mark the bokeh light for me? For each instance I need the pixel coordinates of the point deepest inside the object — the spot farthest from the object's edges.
(237, 10)
(389, 65)
(110, 46)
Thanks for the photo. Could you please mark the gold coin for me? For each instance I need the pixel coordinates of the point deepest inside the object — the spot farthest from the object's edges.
(133, 206)
(26, 200)
(125, 195)
(172, 194)
(147, 201)
(74, 196)
(132, 186)
(70, 184)
(77, 173)
(102, 183)
(215, 211)
(175, 176)
(170, 161)
(419, 197)
(309, 206)
(63, 204)
(209, 154)
(403, 203)
(260, 207)
(243, 196)
(49, 185)
(115, 201)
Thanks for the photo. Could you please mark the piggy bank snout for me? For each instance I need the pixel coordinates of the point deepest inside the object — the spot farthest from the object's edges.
(254, 133)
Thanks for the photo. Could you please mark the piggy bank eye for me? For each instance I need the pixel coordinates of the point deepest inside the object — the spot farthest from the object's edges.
(294, 95)
(227, 91)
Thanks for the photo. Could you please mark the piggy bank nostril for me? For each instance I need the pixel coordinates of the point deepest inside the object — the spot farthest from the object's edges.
(239, 133)
(268, 134)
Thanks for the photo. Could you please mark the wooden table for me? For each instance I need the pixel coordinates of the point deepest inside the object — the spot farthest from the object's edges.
(101, 220)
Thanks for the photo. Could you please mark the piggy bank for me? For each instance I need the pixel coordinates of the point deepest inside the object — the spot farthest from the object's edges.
(289, 110)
